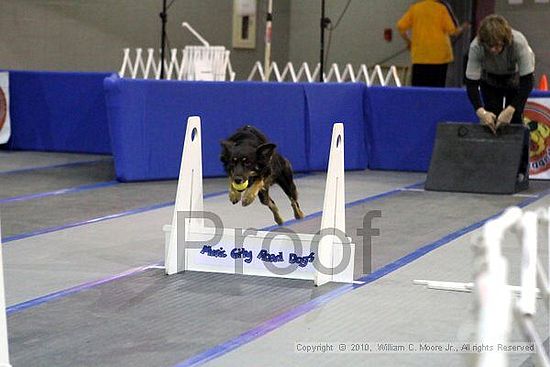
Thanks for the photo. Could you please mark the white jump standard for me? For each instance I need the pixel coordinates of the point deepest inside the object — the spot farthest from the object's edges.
(496, 306)
(327, 256)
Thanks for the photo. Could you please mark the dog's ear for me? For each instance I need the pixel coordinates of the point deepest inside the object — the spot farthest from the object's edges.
(265, 151)
(226, 150)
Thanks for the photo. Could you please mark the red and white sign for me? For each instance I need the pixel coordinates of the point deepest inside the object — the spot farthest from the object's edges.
(5, 129)
(537, 117)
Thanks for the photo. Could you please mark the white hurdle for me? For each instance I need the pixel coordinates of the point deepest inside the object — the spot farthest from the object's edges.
(498, 303)
(327, 256)
(4, 352)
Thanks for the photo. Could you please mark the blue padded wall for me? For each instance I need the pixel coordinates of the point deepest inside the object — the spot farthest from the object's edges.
(142, 122)
(58, 111)
(330, 103)
(401, 123)
(148, 120)
(539, 94)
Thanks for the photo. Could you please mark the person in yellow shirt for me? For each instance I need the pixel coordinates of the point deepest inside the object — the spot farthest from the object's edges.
(430, 25)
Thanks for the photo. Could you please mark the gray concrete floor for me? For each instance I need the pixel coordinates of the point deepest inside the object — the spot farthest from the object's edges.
(69, 231)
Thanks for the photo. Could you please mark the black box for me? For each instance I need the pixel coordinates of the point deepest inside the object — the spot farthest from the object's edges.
(470, 158)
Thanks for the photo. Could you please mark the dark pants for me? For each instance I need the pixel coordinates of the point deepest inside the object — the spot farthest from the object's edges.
(494, 97)
(429, 75)
(495, 100)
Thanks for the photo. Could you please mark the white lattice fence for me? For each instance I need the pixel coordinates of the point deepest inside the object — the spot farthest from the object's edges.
(203, 62)
(371, 76)
(190, 63)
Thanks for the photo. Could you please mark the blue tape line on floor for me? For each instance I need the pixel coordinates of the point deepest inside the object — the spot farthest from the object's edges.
(96, 220)
(70, 291)
(81, 223)
(50, 297)
(69, 190)
(288, 316)
(100, 219)
(348, 205)
(61, 165)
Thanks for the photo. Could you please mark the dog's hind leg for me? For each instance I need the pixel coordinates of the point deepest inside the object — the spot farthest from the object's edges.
(266, 200)
(287, 184)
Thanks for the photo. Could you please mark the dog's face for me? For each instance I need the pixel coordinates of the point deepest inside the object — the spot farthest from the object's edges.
(243, 162)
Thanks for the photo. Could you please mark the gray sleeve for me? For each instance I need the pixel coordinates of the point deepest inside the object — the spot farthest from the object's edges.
(526, 57)
(473, 68)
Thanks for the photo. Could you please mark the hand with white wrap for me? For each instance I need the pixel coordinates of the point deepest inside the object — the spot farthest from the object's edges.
(505, 116)
(487, 118)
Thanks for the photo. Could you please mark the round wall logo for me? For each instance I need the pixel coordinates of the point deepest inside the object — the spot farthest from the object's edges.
(537, 117)
(3, 108)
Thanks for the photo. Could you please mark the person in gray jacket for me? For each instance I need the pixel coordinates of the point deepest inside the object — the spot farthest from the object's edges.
(500, 66)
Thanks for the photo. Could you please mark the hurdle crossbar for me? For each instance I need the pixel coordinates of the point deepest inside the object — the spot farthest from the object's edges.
(327, 256)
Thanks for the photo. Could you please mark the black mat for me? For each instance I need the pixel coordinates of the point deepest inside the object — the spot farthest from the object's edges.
(21, 217)
(150, 319)
(34, 181)
(412, 219)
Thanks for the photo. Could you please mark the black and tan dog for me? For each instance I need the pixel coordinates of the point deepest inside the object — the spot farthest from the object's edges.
(253, 166)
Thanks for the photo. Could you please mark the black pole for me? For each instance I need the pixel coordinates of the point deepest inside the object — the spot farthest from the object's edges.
(163, 17)
(322, 52)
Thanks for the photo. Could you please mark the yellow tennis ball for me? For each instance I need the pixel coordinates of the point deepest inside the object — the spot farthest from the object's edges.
(240, 187)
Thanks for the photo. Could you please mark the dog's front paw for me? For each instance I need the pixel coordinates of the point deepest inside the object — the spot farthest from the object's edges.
(234, 197)
(248, 198)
